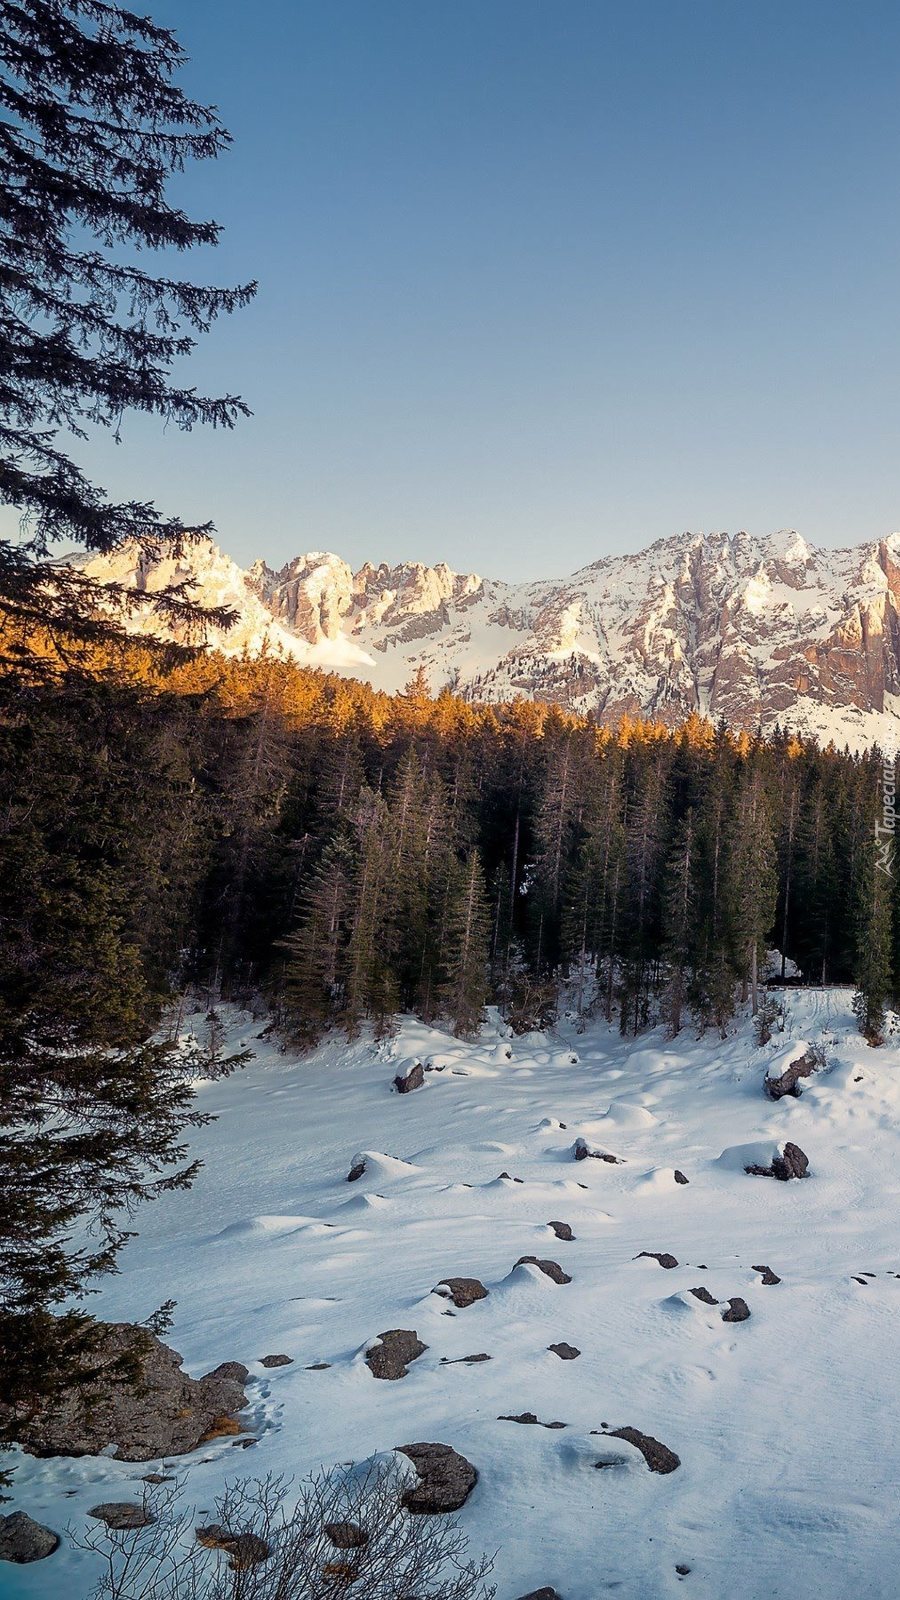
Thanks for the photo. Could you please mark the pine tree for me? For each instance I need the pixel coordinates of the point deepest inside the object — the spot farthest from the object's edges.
(752, 882)
(465, 987)
(679, 921)
(95, 125)
(873, 927)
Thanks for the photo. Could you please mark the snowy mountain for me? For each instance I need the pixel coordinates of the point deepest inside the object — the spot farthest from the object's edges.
(750, 630)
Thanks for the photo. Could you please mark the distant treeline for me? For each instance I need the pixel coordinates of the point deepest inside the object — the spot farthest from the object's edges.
(259, 829)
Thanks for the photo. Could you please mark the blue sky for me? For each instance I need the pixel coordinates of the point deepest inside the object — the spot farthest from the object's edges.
(543, 280)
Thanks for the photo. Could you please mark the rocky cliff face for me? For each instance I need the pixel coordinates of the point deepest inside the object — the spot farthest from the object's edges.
(749, 630)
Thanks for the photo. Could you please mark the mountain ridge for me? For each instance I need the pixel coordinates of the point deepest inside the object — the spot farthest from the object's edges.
(753, 630)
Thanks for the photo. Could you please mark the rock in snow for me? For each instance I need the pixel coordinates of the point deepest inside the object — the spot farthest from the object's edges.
(446, 1479)
(785, 1070)
(551, 1269)
(768, 1276)
(388, 1359)
(791, 1163)
(658, 1457)
(412, 1078)
(23, 1540)
(738, 1310)
(122, 1514)
(462, 1291)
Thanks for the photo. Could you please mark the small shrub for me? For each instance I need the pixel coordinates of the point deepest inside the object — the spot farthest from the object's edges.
(290, 1533)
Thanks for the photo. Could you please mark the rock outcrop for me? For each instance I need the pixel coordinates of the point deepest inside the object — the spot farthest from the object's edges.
(729, 626)
(160, 1412)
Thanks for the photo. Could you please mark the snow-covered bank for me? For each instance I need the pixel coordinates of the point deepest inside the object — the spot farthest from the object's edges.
(787, 1425)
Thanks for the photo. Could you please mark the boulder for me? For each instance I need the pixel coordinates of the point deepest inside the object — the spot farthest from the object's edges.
(357, 1168)
(783, 1075)
(139, 1401)
(464, 1361)
(413, 1078)
(346, 1535)
(738, 1310)
(658, 1457)
(562, 1230)
(276, 1361)
(566, 1352)
(680, 1177)
(768, 1276)
(552, 1269)
(462, 1291)
(246, 1548)
(583, 1152)
(122, 1515)
(23, 1540)
(388, 1359)
(662, 1256)
(705, 1296)
(792, 1163)
(541, 1594)
(446, 1478)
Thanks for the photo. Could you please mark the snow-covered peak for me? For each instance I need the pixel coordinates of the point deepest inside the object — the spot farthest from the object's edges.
(755, 630)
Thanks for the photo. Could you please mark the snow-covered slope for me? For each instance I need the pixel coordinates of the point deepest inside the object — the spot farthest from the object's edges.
(751, 630)
(787, 1424)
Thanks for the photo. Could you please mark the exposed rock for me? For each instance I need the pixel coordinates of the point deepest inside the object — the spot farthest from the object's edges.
(23, 1540)
(464, 1361)
(792, 1163)
(413, 1078)
(662, 1256)
(510, 1178)
(246, 1548)
(682, 1570)
(276, 1361)
(658, 1457)
(705, 1296)
(566, 1352)
(680, 1177)
(462, 1291)
(356, 1170)
(562, 1230)
(685, 637)
(122, 1514)
(529, 1418)
(779, 1084)
(738, 1310)
(159, 1412)
(318, 1366)
(389, 1358)
(552, 1269)
(446, 1478)
(541, 1594)
(233, 1370)
(768, 1276)
(583, 1152)
(346, 1535)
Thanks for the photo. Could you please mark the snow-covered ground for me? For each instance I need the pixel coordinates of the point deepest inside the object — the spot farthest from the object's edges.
(787, 1425)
